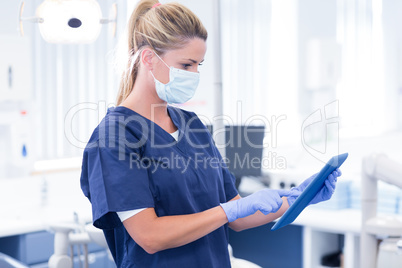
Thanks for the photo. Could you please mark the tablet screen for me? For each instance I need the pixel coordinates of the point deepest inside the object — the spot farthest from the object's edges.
(310, 192)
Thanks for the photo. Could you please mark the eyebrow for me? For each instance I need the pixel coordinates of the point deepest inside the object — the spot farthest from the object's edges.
(194, 61)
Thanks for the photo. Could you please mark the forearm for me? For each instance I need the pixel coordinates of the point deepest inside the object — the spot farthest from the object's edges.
(161, 233)
(258, 218)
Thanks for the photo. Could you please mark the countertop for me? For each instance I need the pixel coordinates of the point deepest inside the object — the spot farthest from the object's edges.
(33, 203)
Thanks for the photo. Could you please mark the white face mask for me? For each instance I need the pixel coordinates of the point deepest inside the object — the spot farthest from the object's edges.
(181, 86)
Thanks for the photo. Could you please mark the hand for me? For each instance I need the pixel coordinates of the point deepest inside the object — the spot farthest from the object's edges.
(324, 194)
(266, 200)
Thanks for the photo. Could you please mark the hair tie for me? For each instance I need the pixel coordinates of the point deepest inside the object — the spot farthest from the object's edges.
(156, 5)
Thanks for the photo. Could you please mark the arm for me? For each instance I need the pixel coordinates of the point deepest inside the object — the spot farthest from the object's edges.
(155, 233)
(258, 218)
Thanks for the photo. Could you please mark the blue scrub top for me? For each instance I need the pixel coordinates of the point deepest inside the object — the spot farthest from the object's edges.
(131, 163)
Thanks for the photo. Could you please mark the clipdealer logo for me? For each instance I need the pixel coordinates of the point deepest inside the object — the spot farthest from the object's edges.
(320, 132)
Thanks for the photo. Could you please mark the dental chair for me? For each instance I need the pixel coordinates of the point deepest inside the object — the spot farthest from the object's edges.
(8, 262)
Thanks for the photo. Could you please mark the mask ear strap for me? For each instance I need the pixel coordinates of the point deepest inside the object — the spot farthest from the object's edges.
(152, 74)
(161, 59)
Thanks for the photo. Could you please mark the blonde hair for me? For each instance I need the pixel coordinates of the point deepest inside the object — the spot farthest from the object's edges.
(160, 27)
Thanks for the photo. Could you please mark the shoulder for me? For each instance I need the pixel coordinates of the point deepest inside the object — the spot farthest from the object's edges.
(119, 123)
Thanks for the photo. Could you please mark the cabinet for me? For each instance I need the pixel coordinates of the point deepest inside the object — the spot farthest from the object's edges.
(35, 249)
(328, 231)
(278, 249)
(317, 243)
(15, 68)
(314, 234)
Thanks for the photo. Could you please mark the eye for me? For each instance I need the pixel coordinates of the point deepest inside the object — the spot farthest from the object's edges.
(186, 66)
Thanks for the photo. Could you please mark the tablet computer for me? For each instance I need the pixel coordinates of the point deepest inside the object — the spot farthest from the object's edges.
(310, 192)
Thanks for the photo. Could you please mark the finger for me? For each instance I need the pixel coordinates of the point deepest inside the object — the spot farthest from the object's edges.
(278, 205)
(279, 202)
(339, 172)
(330, 184)
(336, 173)
(333, 179)
(275, 209)
(334, 176)
(282, 192)
(270, 206)
(266, 209)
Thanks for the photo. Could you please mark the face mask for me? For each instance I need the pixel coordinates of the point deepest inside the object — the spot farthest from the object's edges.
(181, 86)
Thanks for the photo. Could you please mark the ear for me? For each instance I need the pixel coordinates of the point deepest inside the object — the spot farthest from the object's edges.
(146, 58)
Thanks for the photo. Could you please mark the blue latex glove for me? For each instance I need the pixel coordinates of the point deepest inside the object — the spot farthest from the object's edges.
(266, 200)
(324, 194)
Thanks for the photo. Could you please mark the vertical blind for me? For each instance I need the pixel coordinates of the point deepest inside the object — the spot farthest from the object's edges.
(361, 88)
(259, 62)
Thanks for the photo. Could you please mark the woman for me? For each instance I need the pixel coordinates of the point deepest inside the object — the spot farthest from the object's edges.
(156, 181)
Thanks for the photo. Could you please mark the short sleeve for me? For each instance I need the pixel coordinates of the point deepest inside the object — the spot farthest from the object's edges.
(114, 180)
(229, 181)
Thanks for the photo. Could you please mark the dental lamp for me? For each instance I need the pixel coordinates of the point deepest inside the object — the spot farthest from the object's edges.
(374, 168)
(69, 21)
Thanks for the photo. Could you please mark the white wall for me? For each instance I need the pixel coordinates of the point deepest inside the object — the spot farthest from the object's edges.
(9, 11)
(392, 19)
(317, 21)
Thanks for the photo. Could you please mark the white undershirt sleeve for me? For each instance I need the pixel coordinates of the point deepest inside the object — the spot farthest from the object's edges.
(124, 215)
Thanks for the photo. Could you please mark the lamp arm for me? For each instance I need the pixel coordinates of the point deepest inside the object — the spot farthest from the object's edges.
(106, 20)
(112, 19)
(33, 19)
(30, 19)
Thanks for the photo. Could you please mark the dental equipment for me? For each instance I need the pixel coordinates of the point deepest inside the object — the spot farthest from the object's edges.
(67, 235)
(376, 167)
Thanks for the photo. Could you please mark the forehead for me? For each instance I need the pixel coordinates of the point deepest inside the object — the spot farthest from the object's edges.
(194, 49)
